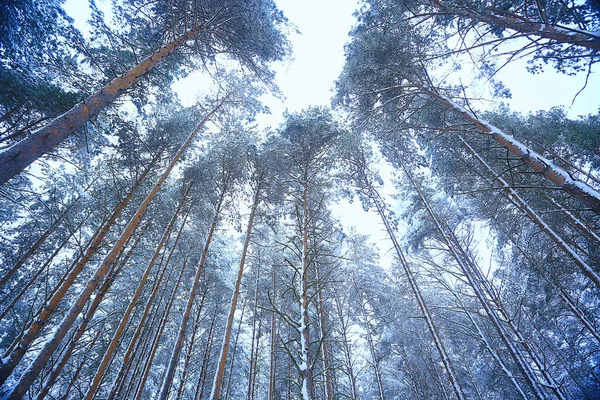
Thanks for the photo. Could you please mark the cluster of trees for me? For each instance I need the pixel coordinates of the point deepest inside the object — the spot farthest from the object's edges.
(151, 250)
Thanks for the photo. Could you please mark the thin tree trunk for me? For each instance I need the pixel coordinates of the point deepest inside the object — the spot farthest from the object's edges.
(370, 342)
(112, 346)
(7, 275)
(576, 221)
(22, 344)
(149, 304)
(324, 341)
(166, 385)
(235, 346)
(216, 389)
(16, 158)
(464, 263)
(201, 383)
(273, 349)
(252, 341)
(347, 351)
(190, 350)
(44, 355)
(34, 277)
(458, 391)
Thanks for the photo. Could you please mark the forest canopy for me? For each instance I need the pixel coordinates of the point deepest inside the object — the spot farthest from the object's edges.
(157, 248)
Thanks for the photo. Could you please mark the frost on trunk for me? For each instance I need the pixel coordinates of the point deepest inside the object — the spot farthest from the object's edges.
(576, 188)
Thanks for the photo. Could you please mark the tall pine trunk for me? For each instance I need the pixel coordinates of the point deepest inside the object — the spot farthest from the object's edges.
(19, 156)
(166, 385)
(112, 346)
(218, 382)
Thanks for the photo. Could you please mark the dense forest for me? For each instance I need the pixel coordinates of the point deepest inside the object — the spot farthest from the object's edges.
(155, 250)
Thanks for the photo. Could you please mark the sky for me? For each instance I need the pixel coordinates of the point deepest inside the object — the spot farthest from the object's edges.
(307, 79)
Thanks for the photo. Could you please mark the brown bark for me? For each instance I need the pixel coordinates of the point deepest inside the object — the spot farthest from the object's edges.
(19, 156)
(50, 346)
(87, 318)
(112, 346)
(219, 375)
(166, 385)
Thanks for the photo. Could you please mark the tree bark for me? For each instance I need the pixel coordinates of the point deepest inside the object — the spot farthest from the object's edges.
(16, 158)
(219, 375)
(112, 346)
(166, 385)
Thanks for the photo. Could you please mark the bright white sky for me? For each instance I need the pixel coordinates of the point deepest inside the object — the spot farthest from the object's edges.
(318, 57)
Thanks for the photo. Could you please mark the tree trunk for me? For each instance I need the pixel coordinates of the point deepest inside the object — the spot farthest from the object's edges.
(16, 158)
(44, 355)
(125, 366)
(576, 188)
(87, 318)
(273, 349)
(112, 346)
(347, 351)
(147, 362)
(523, 206)
(190, 350)
(252, 341)
(324, 340)
(370, 342)
(23, 343)
(458, 391)
(235, 346)
(166, 385)
(216, 389)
